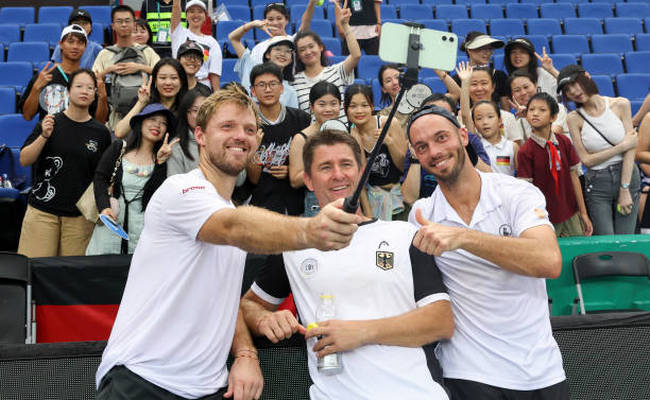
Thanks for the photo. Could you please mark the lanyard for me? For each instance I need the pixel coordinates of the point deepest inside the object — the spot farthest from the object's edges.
(63, 73)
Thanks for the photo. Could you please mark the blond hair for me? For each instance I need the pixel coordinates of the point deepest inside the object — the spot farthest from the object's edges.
(229, 94)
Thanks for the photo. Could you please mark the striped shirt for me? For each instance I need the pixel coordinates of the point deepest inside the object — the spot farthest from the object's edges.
(334, 74)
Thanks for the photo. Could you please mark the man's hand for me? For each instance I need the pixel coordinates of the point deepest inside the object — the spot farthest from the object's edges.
(332, 228)
(45, 76)
(245, 381)
(279, 325)
(435, 239)
(337, 336)
(127, 68)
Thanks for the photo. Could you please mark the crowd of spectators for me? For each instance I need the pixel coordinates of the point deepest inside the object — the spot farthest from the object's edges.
(590, 163)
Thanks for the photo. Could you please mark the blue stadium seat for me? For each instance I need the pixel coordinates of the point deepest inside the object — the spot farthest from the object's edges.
(486, 11)
(400, 3)
(470, 2)
(633, 86)
(97, 34)
(332, 44)
(337, 59)
(359, 81)
(604, 84)
(637, 61)
(226, 48)
(387, 11)
(521, 11)
(2, 52)
(58, 15)
(239, 12)
(227, 71)
(7, 100)
(298, 10)
(37, 32)
(463, 26)
(636, 104)
(613, 43)
(504, 40)
(539, 41)
(572, 1)
(376, 92)
(33, 52)
(595, 10)
(393, 20)
(16, 74)
(9, 33)
(368, 67)
(17, 15)
(570, 44)
(557, 10)
(610, 2)
(415, 11)
(14, 129)
(236, 3)
(449, 12)
(255, 3)
(436, 2)
(258, 12)
(544, 26)
(99, 14)
(500, 2)
(642, 41)
(435, 84)
(582, 26)
(629, 25)
(507, 27)
(535, 2)
(562, 60)
(638, 10)
(322, 27)
(602, 64)
(437, 24)
(498, 62)
(225, 27)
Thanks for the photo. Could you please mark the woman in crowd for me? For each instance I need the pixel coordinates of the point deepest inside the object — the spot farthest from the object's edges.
(185, 156)
(643, 158)
(142, 33)
(384, 195)
(64, 149)
(141, 171)
(190, 55)
(167, 86)
(279, 51)
(325, 102)
(603, 136)
(520, 55)
(477, 84)
(311, 62)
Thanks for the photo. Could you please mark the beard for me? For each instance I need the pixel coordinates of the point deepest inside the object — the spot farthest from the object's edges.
(452, 177)
(231, 168)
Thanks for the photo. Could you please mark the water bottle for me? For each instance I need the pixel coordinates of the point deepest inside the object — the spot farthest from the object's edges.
(331, 363)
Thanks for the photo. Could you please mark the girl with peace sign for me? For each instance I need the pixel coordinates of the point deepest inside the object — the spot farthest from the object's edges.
(520, 55)
(141, 171)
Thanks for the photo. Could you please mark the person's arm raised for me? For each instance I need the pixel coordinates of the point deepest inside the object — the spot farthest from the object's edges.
(236, 35)
(305, 21)
(260, 231)
(343, 19)
(177, 14)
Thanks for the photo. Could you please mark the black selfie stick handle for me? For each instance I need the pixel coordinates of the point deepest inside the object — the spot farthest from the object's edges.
(408, 79)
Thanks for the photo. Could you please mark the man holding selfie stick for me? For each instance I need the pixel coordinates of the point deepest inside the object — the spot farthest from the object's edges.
(494, 251)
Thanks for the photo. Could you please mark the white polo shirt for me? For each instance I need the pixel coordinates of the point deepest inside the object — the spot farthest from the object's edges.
(177, 317)
(379, 275)
(503, 332)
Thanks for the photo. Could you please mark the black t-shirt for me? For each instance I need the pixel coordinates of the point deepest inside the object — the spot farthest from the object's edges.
(67, 163)
(277, 194)
(54, 96)
(383, 170)
(363, 12)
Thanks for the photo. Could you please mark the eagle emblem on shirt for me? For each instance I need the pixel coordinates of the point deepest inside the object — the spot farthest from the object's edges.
(384, 259)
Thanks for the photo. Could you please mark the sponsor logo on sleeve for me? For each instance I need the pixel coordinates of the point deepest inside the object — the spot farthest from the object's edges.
(190, 188)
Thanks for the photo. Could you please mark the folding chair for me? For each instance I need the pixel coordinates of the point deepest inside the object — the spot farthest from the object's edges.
(544, 26)
(368, 67)
(507, 27)
(227, 71)
(322, 27)
(521, 11)
(582, 26)
(604, 264)
(436, 24)
(15, 299)
(627, 25)
(570, 44)
(562, 60)
(225, 27)
(539, 41)
(415, 11)
(633, 86)
(462, 27)
(486, 11)
(100, 14)
(9, 33)
(16, 74)
(17, 15)
(595, 10)
(41, 31)
(637, 61)
(638, 10)
(604, 84)
(449, 12)
(298, 10)
(602, 64)
(617, 43)
(58, 15)
(7, 100)
(642, 41)
(239, 12)
(387, 11)
(332, 44)
(558, 11)
(14, 129)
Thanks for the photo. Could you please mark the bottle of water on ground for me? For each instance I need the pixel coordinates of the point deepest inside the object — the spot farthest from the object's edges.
(330, 364)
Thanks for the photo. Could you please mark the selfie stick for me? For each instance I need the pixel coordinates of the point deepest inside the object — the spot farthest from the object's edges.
(408, 79)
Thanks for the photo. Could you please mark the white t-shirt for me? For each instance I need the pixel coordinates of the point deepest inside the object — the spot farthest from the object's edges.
(177, 317)
(379, 275)
(546, 82)
(333, 74)
(211, 52)
(503, 333)
(502, 155)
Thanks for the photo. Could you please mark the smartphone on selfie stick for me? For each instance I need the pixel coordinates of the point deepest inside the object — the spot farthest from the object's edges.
(410, 44)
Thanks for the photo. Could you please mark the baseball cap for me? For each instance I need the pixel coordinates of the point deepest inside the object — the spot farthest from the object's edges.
(74, 29)
(151, 109)
(481, 41)
(79, 14)
(277, 40)
(521, 42)
(567, 75)
(193, 3)
(189, 47)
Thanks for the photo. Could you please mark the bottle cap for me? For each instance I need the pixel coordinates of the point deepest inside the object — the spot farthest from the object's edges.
(312, 326)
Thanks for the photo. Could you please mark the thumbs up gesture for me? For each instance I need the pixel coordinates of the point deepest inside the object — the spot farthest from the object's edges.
(434, 239)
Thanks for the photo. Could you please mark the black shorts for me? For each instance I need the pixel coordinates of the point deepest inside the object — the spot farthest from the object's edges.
(121, 384)
(461, 389)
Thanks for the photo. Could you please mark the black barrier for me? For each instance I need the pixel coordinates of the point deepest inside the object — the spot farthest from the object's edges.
(606, 357)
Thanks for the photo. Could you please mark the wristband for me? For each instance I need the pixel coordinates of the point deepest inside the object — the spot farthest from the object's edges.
(414, 160)
(625, 186)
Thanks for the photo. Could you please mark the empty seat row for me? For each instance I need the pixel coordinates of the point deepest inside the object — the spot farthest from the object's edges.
(10, 33)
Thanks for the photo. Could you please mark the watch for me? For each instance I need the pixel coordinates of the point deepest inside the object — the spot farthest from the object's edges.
(625, 186)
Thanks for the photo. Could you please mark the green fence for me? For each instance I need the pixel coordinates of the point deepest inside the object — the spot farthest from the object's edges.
(600, 293)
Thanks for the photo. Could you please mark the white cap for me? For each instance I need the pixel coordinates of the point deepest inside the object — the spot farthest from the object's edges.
(74, 28)
(192, 3)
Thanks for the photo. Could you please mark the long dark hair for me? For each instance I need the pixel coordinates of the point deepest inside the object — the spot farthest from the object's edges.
(159, 173)
(183, 127)
(301, 35)
(531, 68)
(385, 99)
(155, 95)
(143, 23)
(357, 88)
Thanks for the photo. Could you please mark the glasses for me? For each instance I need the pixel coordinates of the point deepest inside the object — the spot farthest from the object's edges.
(192, 57)
(123, 21)
(264, 85)
(281, 50)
